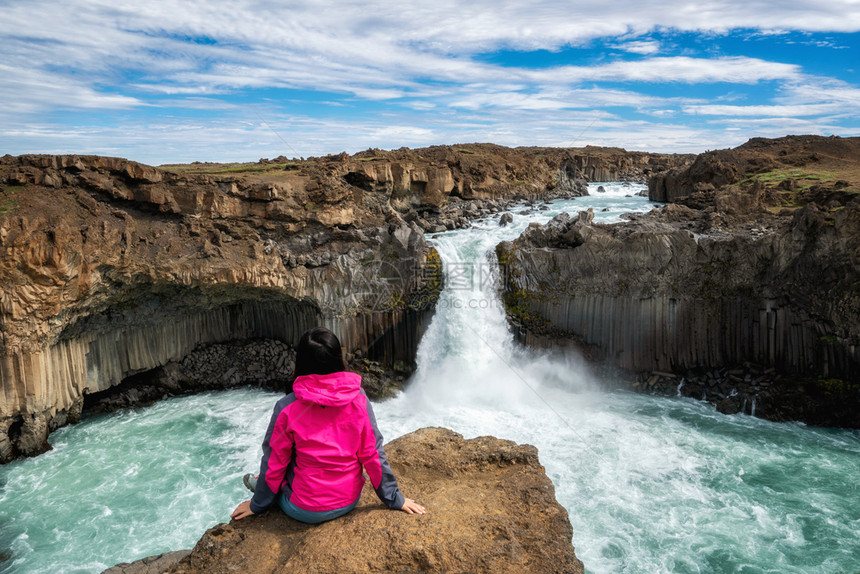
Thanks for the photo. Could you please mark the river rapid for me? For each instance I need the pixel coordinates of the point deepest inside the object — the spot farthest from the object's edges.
(652, 484)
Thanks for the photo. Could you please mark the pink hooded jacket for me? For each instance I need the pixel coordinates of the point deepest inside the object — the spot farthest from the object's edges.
(319, 438)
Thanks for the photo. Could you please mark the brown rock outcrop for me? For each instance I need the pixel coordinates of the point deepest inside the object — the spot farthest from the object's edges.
(739, 279)
(490, 508)
(158, 564)
(122, 268)
(807, 160)
(433, 175)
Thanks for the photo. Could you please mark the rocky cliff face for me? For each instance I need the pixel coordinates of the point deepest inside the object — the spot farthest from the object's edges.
(791, 164)
(490, 508)
(432, 176)
(749, 292)
(110, 268)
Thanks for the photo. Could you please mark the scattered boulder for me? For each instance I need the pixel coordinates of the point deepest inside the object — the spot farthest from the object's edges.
(580, 229)
(151, 564)
(505, 219)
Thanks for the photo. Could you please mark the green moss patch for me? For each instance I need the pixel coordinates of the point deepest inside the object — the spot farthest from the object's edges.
(836, 387)
(779, 175)
(217, 169)
(430, 283)
(8, 206)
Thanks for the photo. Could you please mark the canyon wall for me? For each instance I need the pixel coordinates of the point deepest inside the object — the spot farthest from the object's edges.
(734, 278)
(110, 268)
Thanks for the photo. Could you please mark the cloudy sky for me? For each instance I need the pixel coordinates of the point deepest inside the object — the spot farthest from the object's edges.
(213, 80)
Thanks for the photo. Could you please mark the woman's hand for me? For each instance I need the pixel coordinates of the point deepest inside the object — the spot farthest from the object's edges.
(412, 507)
(244, 510)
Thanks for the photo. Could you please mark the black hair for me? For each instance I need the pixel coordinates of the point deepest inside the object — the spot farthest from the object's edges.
(318, 353)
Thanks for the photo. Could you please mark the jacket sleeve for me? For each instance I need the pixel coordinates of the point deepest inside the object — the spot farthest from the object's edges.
(372, 457)
(277, 451)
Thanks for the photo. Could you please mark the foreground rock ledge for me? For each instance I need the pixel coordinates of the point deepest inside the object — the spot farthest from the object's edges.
(491, 508)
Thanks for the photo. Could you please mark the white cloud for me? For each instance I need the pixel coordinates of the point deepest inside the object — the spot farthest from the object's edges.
(557, 98)
(759, 111)
(403, 133)
(370, 46)
(813, 97)
(32, 90)
(424, 56)
(420, 105)
(643, 47)
(245, 137)
(825, 90)
(736, 70)
(778, 127)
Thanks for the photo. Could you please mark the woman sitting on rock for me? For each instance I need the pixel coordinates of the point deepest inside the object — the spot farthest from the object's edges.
(319, 438)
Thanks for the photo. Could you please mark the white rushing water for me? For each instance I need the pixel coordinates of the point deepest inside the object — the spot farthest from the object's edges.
(651, 484)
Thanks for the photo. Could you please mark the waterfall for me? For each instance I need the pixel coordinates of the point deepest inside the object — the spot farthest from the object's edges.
(468, 354)
(618, 460)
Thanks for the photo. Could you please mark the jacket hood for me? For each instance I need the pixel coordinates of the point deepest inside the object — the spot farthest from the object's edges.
(334, 389)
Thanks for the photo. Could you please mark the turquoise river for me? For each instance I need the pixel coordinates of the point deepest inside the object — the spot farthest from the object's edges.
(652, 484)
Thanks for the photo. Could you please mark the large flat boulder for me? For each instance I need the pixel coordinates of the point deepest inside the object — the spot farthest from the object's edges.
(490, 508)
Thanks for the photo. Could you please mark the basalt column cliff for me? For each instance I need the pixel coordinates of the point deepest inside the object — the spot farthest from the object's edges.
(110, 269)
(744, 291)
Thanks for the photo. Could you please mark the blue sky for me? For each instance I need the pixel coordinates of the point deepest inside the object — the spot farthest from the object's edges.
(212, 80)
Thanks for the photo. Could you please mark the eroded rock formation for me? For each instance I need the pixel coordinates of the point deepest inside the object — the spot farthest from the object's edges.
(110, 268)
(753, 274)
(490, 509)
